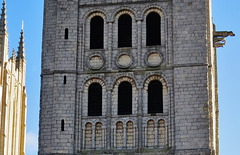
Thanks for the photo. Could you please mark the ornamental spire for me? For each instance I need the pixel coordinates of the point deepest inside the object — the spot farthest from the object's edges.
(21, 50)
(3, 20)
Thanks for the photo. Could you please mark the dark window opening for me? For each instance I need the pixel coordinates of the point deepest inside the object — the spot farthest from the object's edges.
(62, 125)
(155, 97)
(124, 98)
(125, 31)
(95, 100)
(96, 32)
(66, 33)
(65, 80)
(153, 29)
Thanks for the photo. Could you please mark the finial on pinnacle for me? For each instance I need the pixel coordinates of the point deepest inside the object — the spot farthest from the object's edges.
(13, 55)
(4, 7)
(22, 25)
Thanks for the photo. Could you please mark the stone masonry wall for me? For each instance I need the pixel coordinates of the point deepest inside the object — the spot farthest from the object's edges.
(179, 63)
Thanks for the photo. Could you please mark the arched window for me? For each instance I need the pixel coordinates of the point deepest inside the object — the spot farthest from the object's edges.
(98, 135)
(95, 100)
(161, 133)
(150, 133)
(66, 33)
(130, 134)
(88, 135)
(124, 98)
(155, 97)
(153, 29)
(125, 31)
(96, 33)
(119, 135)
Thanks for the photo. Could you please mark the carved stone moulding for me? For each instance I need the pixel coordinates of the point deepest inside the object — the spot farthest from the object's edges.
(153, 59)
(124, 60)
(95, 62)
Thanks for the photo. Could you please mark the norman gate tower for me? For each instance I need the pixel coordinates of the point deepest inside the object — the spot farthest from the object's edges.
(129, 77)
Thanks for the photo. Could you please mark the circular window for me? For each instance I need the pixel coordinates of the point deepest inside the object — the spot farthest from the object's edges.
(154, 59)
(95, 62)
(124, 61)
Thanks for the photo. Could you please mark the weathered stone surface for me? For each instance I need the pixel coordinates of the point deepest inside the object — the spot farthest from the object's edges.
(183, 63)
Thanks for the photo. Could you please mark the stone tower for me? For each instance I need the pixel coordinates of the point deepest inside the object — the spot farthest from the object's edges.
(129, 77)
(13, 99)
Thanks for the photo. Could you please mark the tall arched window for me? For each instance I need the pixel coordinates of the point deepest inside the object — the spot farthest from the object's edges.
(96, 32)
(125, 31)
(155, 97)
(95, 100)
(124, 98)
(153, 29)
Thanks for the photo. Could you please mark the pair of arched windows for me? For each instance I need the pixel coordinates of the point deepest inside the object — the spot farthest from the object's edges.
(95, 99)
(155, 98)
(153, 31)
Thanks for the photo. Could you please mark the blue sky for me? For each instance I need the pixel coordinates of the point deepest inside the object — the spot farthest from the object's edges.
(226, 16)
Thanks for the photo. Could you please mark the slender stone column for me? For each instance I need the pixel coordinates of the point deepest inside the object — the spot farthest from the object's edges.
(109, 111)
(93, 136)
(139, 42)
(83, 139)
(140, 129)
(109, 43)
(156, 136)
(78, 127)
(81, 131)
(124, 137)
